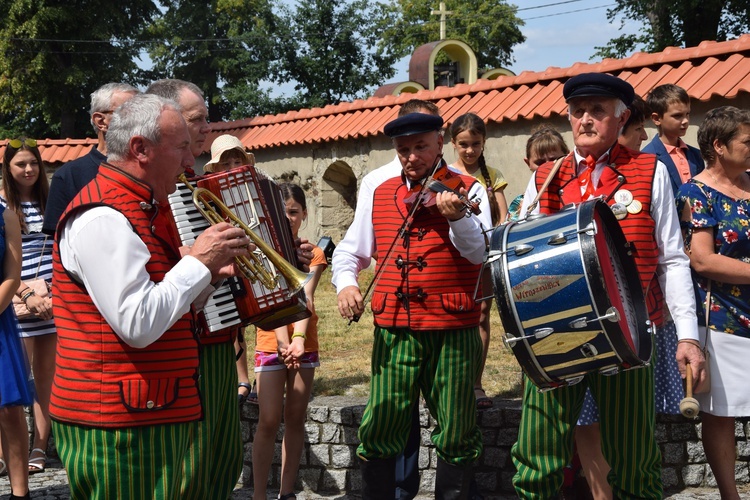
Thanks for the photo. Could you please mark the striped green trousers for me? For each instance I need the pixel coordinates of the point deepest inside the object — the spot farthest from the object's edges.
(133, 463)
(443, 366)
(626, 416)
(214, 462)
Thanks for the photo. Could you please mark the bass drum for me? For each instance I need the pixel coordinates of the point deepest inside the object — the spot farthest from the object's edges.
(569, 295)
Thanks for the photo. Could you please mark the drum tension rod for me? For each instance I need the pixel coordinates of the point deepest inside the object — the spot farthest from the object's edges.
(612, 314)
(538, 334)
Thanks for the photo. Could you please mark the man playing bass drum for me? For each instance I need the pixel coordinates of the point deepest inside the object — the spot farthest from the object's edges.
(600, 167)
(426, 322)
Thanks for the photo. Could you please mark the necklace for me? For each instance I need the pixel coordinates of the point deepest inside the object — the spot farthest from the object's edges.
(731, 188)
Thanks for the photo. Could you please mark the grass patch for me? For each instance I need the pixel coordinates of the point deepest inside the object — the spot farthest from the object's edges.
(345, 350)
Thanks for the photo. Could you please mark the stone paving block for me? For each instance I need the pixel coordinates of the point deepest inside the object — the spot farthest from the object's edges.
(331, 433)
(334, 480)
(693, 475)
(673, 453)
(320, 455)
(695, 452)
(492, 417)
(353, 480)
(310, 478)
(489, 436)
(660, 433)
(350, 436)
(669, 477)
(424, 458)
(427, 481)
(495, 457)
(312, 433)
(682, 432)
(487, 481)
(507, 437)
(512, 417)
(317, 413)
(342, 456)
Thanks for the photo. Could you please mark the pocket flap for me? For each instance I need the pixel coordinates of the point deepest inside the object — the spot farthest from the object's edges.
(148, 395)
(457, 302)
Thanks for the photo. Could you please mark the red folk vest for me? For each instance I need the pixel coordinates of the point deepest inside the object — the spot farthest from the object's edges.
(100, 381)
(627, 169)
(425, 284)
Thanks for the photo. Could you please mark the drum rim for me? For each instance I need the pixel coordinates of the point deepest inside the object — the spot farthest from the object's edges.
(621, 347)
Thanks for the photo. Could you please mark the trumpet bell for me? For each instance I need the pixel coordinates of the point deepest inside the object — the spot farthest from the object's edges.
(252, 267)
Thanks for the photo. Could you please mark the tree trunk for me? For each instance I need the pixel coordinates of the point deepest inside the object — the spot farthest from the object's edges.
(67, 123)
(660, 17)
(701, 21)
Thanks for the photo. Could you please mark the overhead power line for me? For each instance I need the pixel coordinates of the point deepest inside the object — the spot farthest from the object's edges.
(549, 5)
(570, 12)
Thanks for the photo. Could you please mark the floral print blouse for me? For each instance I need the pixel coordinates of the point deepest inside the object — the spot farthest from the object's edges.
(700, 206)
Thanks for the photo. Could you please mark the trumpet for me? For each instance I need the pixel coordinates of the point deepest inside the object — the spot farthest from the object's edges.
(215, 211)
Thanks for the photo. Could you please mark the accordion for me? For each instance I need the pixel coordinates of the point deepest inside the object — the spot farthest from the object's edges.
(256, 200)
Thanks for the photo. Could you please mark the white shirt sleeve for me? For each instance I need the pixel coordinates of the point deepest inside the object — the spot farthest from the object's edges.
(528, 197)
(355, 251)
(467, 233)
(673, 270)
(100, 249)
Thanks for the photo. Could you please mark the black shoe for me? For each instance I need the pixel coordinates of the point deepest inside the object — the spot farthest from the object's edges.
(378, 478)
(452, 482)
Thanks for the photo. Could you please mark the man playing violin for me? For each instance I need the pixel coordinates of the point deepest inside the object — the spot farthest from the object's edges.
(426, 321)
(638, 189)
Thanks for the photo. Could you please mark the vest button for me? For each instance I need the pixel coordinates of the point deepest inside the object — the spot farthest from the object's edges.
(153, 229)
(149, 404)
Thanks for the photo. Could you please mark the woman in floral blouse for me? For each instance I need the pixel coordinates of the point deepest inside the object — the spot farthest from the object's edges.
(714, 208)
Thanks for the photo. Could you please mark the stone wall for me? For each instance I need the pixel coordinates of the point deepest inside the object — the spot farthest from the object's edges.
(329, 462)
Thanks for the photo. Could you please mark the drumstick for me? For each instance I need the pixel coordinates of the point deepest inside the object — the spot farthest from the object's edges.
(689, 406)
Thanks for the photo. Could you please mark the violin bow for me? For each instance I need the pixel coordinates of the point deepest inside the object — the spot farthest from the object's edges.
(399, 234)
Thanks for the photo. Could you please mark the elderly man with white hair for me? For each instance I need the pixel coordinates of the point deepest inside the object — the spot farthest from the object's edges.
(125, 398)
(599, 167)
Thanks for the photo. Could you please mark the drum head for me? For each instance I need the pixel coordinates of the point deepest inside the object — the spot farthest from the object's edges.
(615, 283)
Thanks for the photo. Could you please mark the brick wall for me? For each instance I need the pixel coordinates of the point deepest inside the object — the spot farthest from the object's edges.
(329, 463)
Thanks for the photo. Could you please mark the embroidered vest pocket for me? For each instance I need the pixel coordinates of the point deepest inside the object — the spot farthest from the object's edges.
(457, 302)
(149, 395)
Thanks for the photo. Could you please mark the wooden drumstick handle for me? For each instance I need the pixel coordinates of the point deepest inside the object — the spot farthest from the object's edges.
(689, 406)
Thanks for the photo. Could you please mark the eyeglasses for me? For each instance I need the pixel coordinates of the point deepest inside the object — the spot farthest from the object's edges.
(16, 143)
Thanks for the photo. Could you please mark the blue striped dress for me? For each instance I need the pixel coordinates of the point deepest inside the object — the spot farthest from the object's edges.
(35, 246)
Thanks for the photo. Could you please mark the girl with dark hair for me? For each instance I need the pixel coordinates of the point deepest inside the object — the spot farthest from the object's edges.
(24, 191)
(468, 135)
(285, 361)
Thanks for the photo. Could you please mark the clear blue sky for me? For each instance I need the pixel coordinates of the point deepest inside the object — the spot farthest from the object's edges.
(558, 33)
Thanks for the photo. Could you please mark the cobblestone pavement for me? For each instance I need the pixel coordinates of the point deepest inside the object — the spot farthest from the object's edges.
(52, 484)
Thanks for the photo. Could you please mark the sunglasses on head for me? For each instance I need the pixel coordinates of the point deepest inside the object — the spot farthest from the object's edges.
(17, 143)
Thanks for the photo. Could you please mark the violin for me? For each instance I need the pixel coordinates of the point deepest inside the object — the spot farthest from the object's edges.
(442, 180)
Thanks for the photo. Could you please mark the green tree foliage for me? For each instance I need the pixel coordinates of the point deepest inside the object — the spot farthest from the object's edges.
(676, 23)
(53, 54)
(490, 27)
(329, 50)
(223, 46)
